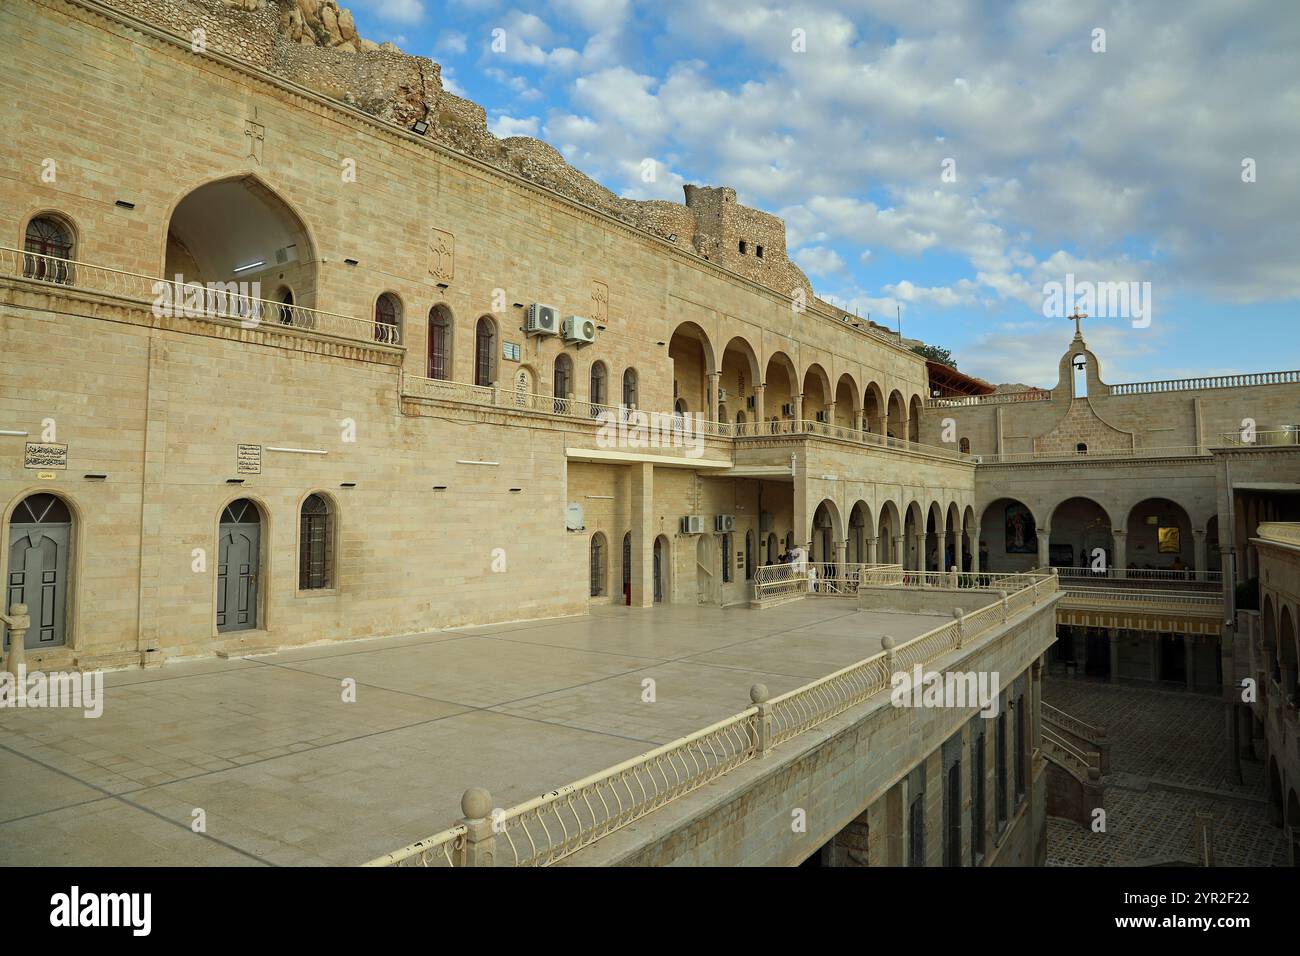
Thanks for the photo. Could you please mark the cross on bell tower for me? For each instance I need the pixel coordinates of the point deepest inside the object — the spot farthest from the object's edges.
(1078, 317)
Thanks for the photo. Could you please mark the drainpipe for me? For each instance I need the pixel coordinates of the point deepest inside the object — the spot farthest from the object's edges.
(1230, 603)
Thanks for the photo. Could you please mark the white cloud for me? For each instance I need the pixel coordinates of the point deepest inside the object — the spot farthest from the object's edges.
(505, 126)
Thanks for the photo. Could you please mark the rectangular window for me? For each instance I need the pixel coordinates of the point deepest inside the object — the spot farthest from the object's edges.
(438, 351)
(726, 559)
(977, 794)
(1020, 727)
(952, 816)
(314, 571)
(916, 831)
(1000, 781)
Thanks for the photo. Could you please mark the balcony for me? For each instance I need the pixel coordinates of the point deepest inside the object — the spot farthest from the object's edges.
(217, 302)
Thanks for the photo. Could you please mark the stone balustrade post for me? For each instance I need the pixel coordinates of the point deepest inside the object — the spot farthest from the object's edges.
(480, 837)
(1006, 611)
(19, 622)
(758, 696)
(957, 615)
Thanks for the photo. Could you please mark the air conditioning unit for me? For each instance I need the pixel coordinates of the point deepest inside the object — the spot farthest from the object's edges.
(542, 320)
(787, 410)
(751, 403)
(978, 459)
(724, 522)
(692, 524)
(822, 416)
(579, 329)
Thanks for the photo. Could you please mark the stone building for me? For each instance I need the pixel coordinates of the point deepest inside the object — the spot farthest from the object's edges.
(294, 350)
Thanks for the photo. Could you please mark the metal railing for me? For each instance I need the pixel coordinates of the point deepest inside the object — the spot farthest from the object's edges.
(1146, 597)
(1159, 575)
(555, 825)
(1217, 381)
(212, 301)
(1161, 451)
(1084, 763)
(804, 426)
(1268, 438)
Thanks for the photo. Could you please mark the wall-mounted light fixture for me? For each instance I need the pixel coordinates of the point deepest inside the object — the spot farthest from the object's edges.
(352, 262)
(122, 203)
(298, 451)
(516, 489)
(672, 237)
(439, 487)
(234, 481)
(442, 285)
(348, 484)
(465, 461)
(95, 477)
(420, 127)
(13, 432)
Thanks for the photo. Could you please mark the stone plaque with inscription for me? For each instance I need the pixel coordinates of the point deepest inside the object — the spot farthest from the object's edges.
(248, 460)
(40, 454)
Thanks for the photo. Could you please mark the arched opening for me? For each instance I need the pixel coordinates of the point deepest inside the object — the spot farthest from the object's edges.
(599, 386)
(846, 401)
(825, 533)
(239, 231)
(873, 410)
(1008, 537)
(440, 331)
(1080, 536)
(691, 355)
(562, 385)
(485, 352)
(860, 529)
(914, 524)
(1159, 536)
(48, 243)
(316, 537)
(1079, 368)
(888, 529)
(914, 420)
(388, 319)
(816, 394)
(934, 543)
(749, 554)
(630, 390)
(771, 548)
(597, 564)
(739, 376)
(963, 446)
(896, 425)
(40, 567)
(952, 542)
(779, 394)
(239, 561)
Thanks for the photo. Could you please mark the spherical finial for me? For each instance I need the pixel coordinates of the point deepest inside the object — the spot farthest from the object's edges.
(1003, 594)
(958, 613)
(476, 804)
(758, 693)
(887, 642)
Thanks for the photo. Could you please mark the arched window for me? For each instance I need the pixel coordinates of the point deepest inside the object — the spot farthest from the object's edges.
(597, 564)
(771, 548)
(964, 446)
(48, 244)
(679, 407)
(1081, 448)
(599, 391)
(440, 342)
(562, 384)
(485, 348)
(725, 544)
(1079, 362)
(388, 319)
(629, 387)
(316, 544)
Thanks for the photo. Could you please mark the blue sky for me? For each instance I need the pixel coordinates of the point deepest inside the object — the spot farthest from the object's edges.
(943, 158)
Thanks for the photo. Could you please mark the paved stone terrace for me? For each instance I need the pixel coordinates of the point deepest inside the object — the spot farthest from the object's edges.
(1167, 737)
(289, 774)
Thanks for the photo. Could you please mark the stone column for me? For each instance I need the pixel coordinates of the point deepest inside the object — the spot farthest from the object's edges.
(1199, 554)
(857, 420)
(944, 541)
(841, 555)
(1114, 655)
(871, 551)
(1044, 549)
(975, 554)
(900, 549)
(1119, 552)
(760, 410)
(643, 537)
(714, 379)
(1189, 657)
(919, 558)
(797, 402)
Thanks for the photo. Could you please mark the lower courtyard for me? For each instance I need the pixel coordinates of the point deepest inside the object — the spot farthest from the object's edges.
(1169, 761)
(280, 768)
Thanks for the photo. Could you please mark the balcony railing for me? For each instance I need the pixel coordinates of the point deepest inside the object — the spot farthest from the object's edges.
(213, 301)
(1149, 578)
(1287, 435)
(996, 398)
(551, 827)
(1217, 381)
(1031, 457)
(803, 426)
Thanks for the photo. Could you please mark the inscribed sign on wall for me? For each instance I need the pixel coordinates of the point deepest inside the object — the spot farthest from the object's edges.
(45, 455)
(248, 459)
